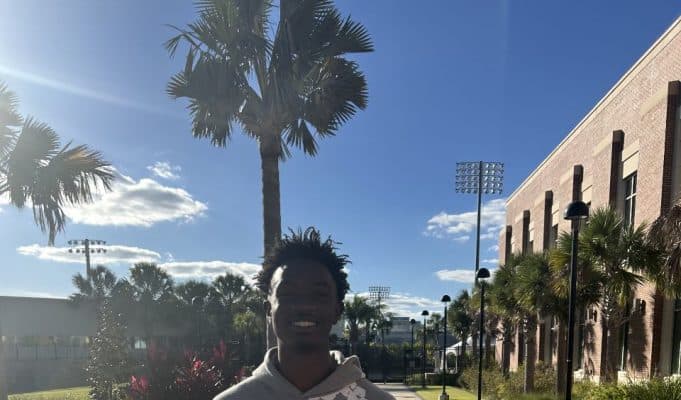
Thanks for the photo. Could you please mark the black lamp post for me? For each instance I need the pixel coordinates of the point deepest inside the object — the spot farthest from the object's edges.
(412, 322)
(483, 273)
(424, 313)
(575, 212)
(444, 396)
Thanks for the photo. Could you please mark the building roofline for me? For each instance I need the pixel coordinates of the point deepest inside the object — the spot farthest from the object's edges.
(666, 37)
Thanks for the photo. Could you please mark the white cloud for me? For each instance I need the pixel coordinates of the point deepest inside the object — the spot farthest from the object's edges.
(493, 248)
(491, 261)
(165, 170)
(407, 305)
(458, 275)
(28, 293)
(201, 270)
(113, 255)
(130, 255)
(493, 217)
(137, 203)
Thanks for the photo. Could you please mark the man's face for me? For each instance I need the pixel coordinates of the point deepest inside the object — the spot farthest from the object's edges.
(303, 304)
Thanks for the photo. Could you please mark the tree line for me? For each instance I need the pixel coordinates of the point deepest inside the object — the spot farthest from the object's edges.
(614, 258)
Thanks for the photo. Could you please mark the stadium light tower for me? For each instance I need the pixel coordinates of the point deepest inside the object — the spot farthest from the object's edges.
(479, 177)
(85, 247)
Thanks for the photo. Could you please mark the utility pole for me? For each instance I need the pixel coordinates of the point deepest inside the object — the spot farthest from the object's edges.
(379, 293)
(84, 247)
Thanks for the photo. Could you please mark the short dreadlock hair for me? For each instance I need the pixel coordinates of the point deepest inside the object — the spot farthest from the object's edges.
(306, 245)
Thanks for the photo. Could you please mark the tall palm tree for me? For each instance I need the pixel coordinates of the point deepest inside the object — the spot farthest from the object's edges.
(624, 257)
(278, 86)
(152, 289)
(97, 286)
(36, 170)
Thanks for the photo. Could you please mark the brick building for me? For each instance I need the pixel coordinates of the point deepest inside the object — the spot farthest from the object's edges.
(626, 152)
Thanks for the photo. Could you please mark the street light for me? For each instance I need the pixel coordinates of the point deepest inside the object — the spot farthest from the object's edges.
(444, 396)
(575, 212)
(479, 177)
(482, 274)
(424, 313)
(412, 322)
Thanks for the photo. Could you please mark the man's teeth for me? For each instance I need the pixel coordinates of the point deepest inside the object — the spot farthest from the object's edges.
(304, 324)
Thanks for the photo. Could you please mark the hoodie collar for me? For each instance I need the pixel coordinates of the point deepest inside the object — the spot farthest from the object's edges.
(346, 373)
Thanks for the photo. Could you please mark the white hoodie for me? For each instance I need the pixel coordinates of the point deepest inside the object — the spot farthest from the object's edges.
(346, 382)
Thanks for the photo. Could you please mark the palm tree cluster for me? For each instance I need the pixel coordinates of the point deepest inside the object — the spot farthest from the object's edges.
(367, 318)
(531, 289)
(226, 309)
(37, 171)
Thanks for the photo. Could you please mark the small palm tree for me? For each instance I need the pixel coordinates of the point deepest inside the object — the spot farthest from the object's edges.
(278, 87)
(503, 302)
(623, 257)
(97, 286)
(36, 170)
(534, 297)
(152, 289)
(356, 312)
(226, 300)
(589, 290)
(460, 319)
(665, 235)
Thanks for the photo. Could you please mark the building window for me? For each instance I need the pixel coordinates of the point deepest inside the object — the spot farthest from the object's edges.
(630, 199)
(676, 341)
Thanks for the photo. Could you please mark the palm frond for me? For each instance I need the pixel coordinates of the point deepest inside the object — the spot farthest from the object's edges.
(9, 120)
(333, 94)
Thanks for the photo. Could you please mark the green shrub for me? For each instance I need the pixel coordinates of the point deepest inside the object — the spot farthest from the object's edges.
(496, 386)
(656, 389)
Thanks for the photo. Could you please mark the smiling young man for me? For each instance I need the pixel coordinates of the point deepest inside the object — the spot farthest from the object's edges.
(305, 286)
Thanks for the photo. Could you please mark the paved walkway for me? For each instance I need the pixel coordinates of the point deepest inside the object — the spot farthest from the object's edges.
(399, 391)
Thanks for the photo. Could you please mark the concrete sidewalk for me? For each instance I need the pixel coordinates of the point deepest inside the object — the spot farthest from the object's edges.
(399, 391)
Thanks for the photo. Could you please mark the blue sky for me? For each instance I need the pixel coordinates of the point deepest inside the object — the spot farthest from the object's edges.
(449, 81)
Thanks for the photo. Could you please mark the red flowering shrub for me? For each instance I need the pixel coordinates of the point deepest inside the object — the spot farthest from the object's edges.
(187, 378)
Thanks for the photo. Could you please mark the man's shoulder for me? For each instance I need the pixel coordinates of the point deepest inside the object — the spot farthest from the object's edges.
(246, 389)
(373, 391)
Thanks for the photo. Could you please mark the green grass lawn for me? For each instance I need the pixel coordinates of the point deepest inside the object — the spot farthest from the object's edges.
(77, 393)
(433, 393)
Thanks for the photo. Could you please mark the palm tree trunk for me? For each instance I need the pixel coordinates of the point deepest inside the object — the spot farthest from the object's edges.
(269, 161)
(611, 346)
(530, 353)
(506, 354)
(488, 348)
(561, 360)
